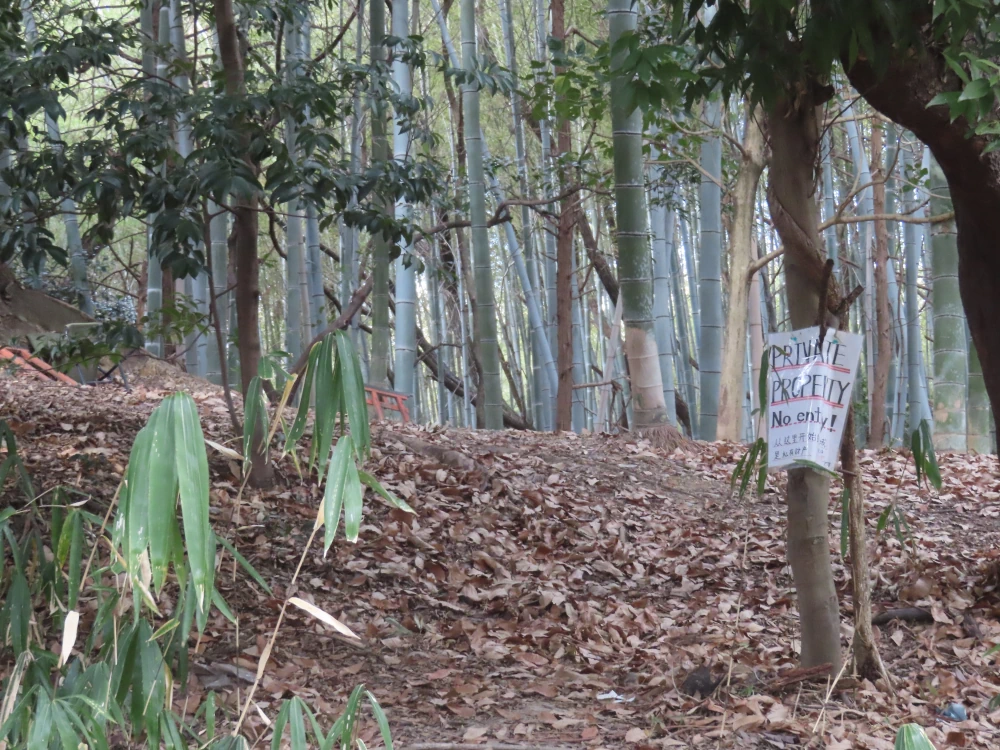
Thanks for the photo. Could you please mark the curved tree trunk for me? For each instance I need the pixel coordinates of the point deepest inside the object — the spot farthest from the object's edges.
(902, 92)
(741, 257)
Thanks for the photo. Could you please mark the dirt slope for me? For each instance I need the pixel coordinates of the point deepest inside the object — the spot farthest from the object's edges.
(557, 590)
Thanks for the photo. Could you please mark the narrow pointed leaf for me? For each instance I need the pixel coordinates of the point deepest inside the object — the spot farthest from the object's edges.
(192, 473)
(353, 502)
(354, 394)
(381, 720)
(333, 494)
(298, 427)
(370, 481)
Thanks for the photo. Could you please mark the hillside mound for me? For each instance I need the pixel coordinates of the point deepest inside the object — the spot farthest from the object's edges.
(558, 590)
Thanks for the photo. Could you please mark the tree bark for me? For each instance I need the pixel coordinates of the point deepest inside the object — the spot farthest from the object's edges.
(564, 256)
(632, 231)
(794, 135)
(902, 92)
(244, 244)
(487, 344)
(879, 431)
(379, 367)
(741, 256)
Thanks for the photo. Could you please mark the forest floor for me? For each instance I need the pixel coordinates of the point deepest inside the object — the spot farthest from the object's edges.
(557, 590)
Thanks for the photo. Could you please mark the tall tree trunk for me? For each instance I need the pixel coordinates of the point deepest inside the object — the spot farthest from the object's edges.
(864, 258)
(950, 355)
(579, 371)
(379, 368)
(756, 343)
(297, 279)
(917, 396)
(349, 266)
(154, 274)
(794, 134)
(664, 221)
(632, 230)
(564, 255)
(878, 430)
(741, 258)
(218, 231)
(244, 239)
(406, 271)
(710, 274)
(544, 368)
(829, 202)
(316, 297)
(491, 395)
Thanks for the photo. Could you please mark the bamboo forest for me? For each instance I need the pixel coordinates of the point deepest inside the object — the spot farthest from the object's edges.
(503, 374)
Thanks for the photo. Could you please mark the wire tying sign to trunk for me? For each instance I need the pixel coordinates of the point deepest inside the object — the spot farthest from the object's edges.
(809, 386)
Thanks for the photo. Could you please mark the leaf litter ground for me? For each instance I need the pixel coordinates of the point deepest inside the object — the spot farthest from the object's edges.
(557, 590)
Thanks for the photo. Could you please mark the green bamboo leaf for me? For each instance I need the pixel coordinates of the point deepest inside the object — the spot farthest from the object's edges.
(299, 425)
(845, 504)
(883, 519)
(41, 723)
(762, 473)
(327, 401)
(254, 414)
(912, 737)
(738, 471)
(316, 728)
(134, 509)
(210, 715)
(931, 467)
(64, 727)
(751, 460)
(298, 725)
(172, 737)
(18, 613)
(169, 626)
(192, 473)
(223, 606)
(371, 482)
(765, 364)
(354, 394)
(353, 502)
(333, 494)
(152, 689)
(75, 558)
(244, 563)
(279, 725)
(381, 720)
(351, 716)
(161, 473)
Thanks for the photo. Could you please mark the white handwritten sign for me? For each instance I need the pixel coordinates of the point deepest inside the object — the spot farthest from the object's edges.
(808, 393)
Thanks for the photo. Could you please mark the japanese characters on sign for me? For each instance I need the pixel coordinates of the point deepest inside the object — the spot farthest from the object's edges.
(808, 393)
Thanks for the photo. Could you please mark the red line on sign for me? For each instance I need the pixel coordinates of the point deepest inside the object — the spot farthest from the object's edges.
(834, 404)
